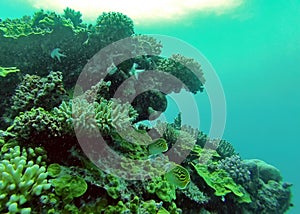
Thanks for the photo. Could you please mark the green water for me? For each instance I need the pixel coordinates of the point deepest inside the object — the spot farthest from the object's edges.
(255, 51)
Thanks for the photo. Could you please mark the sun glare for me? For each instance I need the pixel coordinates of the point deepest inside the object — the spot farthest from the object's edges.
(139, 10)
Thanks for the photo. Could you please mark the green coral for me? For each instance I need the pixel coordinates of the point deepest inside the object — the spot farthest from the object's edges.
(220, 181)
(162, 188)
(41, 23)
(6, 70)
(54, 170)
(113, 186)
(21, 180)
(35, 91)
(87, 118)
(74, 16)
(36, 124)
(17, 27)
(32, 40)
(69, 187)
(195, 194)
(66, 185)
(136, 205)
(114, 26)
(225, 149)
(48, 21)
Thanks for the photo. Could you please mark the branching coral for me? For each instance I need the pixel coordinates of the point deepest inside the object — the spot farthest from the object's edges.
(236, 169)
(149, 46)
(74, 16)
(114, 26)
(193, 193)
(225, 149)
(185, 69)
(41, 113)
(87, 118)
(20, 181)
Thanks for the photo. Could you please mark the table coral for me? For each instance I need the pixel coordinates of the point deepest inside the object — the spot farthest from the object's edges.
(220, 181)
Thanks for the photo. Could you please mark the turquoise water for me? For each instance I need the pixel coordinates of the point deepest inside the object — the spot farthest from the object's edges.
(255, 52)
(257, 61)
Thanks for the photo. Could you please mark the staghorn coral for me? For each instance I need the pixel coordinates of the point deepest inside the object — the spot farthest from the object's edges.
(87, 118)
(98, 91)
(21, 180)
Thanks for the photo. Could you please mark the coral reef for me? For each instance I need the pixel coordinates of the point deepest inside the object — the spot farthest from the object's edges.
(35, 91)
(21, 180)
(236, 169)
(5, 71)
(114, 26)
(172, 168)
(185, 69)
(222, 183)
(36, 124)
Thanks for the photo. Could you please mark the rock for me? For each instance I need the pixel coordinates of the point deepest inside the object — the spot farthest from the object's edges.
(266, 171)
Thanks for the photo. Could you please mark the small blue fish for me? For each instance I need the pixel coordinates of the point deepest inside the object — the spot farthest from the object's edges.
(55, 53)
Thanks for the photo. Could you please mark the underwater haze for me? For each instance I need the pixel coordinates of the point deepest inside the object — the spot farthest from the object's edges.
(254, 48)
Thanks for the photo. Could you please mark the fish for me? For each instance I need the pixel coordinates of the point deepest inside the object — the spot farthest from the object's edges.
(162, 210)
(134, 71)
(55, 53)
(178, 175)
(158, 146)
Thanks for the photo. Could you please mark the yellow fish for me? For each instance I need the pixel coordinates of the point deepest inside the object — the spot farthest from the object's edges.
(162, 210)
(179, 176)
(158, 146)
